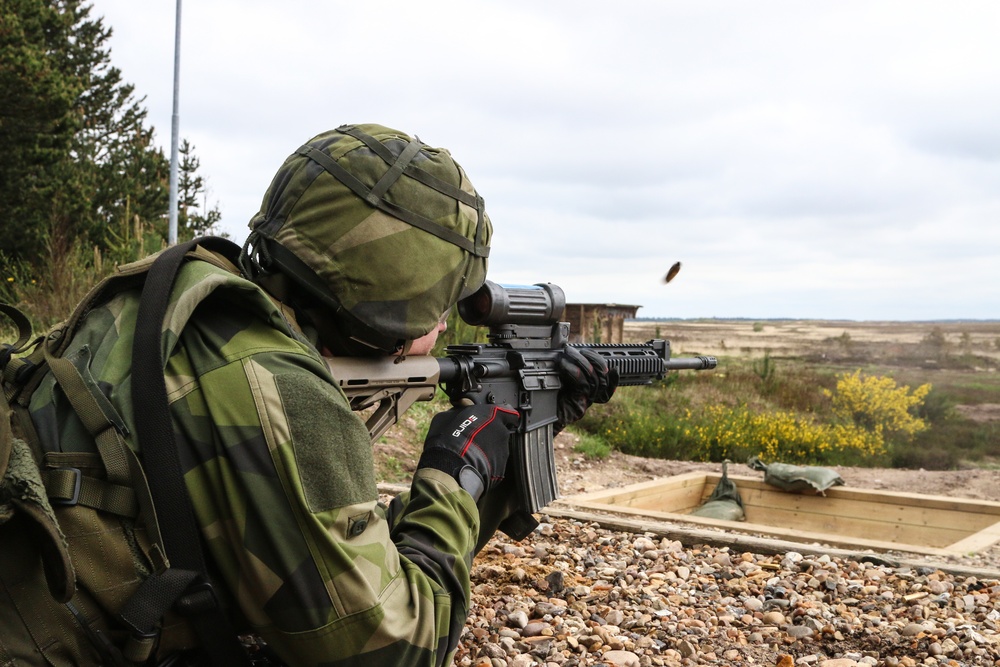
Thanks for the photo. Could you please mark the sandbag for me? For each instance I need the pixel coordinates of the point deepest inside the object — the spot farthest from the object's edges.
(788, 477)
(725, 502)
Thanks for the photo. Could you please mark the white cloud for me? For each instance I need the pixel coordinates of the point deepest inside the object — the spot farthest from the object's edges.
(824, 159)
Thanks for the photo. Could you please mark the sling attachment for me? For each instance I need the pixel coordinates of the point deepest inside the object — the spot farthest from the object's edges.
(183, 590)
(184, 585)
(67, 486)
(126, 487)
(23, 325)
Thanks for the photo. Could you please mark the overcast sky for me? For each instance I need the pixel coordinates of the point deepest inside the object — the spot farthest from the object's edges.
(829, 160)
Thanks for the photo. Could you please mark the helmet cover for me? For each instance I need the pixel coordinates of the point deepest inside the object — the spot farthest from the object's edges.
(384, 230)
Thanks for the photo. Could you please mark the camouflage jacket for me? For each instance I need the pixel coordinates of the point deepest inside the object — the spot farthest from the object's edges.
(281, 476)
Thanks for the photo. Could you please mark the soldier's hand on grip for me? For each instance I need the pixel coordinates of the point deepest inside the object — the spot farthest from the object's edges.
(472, 444)
(586, 380)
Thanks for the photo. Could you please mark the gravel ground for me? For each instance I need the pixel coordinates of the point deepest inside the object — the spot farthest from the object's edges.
(574, 593)
(579, 592)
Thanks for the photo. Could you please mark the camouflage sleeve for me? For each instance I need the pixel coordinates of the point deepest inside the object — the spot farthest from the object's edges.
(426, 535)
(281, 474)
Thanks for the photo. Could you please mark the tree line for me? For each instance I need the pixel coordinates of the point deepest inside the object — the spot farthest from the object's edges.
(78, 166)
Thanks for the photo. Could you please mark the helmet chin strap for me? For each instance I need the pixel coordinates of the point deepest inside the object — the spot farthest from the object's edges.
(406, 349)
(340, 339)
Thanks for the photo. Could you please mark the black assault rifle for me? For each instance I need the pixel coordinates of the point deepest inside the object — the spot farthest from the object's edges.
(516, 368)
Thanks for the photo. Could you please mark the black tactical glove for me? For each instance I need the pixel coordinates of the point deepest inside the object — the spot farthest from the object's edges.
(471, 444)
(586, 380)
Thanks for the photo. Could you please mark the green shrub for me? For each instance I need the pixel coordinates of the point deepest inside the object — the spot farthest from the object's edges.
(49, 296)
(592, 447)
(798, 415)
(391, 469)
(737, 433)
(913, 456)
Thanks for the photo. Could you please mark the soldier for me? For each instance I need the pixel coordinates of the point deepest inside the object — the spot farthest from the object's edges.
(364, 241)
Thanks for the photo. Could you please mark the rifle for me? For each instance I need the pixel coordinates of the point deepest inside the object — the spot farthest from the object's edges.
(517, 368)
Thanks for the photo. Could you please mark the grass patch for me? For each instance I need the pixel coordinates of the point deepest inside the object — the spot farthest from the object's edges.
(592, 447)
(391, 469)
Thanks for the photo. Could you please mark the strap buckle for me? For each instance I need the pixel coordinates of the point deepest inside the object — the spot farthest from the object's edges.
(200, 597)
(74, 497)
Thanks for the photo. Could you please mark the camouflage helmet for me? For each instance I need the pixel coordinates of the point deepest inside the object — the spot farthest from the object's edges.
(381, 231)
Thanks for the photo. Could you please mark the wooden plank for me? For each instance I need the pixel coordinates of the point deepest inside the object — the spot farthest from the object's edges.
(626, 493)
(841, 509)
(791, 534)
(842, 502)
(969, 505)
(691, 536)
(987, 537)
(681, 500)
(885, 530)
(974, 506)
(728, 533)
(681, 493)
(926, 524)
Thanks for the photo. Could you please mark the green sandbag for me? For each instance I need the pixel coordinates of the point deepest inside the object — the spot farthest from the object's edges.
(725, 502)
(796, 478)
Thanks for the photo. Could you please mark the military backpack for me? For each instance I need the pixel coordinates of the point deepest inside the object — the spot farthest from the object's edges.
(100, 558)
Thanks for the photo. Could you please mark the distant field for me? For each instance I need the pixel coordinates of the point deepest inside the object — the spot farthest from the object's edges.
(922, 344)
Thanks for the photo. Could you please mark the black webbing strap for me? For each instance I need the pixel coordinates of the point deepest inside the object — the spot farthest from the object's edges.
(185, 585)
(413, 172)
(407, 216)
(393, 173)
(23, 325)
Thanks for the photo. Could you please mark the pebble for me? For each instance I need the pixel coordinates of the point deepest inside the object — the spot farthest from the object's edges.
(773, 618)
(621, 658)
(686, 648)
(517, 619)
(534, 629)
(798, 631)
(575, 594)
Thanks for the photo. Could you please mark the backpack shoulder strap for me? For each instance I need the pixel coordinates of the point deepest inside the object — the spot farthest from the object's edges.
(186, 581)
(20, 483)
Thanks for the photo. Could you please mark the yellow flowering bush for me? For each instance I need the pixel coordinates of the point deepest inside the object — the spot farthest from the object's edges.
(857, 422)
(877, 404)
(738, 433)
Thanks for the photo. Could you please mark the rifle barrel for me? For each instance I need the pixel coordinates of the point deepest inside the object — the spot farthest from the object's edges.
(690, 363)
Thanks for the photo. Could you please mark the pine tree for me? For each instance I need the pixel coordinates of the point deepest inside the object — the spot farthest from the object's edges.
(79, 157)
(194, 218)
(38, 122)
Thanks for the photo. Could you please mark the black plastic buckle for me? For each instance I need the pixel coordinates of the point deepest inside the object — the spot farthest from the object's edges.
(199, 598)
(6, 352)
(75, 498)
